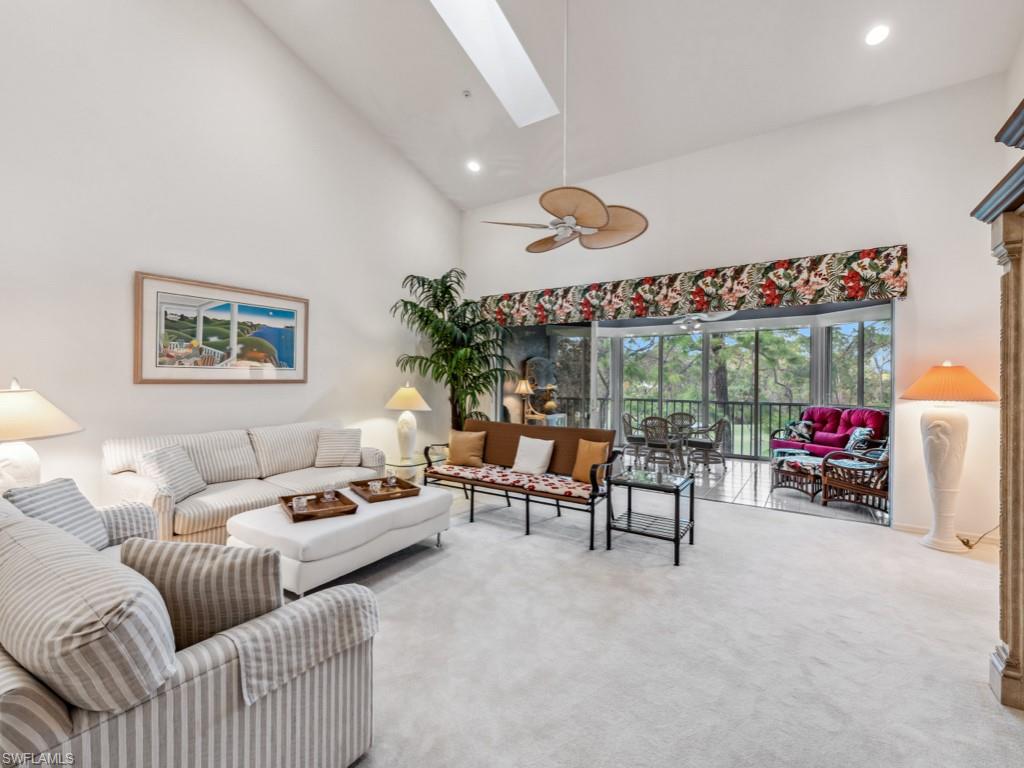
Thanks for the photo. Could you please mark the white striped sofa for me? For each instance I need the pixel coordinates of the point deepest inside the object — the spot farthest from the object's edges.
(290, 687)
(244, 469)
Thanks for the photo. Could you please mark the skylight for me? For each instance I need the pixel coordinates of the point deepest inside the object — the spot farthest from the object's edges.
(490, 42)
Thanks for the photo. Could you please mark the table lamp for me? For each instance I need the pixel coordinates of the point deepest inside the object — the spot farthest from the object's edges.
(524, 390)
(944, 434)
(26, 415)
(407, 400)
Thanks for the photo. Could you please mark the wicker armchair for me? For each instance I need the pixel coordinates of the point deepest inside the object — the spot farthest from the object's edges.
(706, 445)
(862, 478)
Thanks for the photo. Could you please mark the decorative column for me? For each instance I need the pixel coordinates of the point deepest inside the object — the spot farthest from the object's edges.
(1005, 674)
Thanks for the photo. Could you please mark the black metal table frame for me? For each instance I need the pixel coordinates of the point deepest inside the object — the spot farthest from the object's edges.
(654, 527)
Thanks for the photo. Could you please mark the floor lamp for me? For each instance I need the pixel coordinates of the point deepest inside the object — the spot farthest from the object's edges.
(944, 434)
(26, 415)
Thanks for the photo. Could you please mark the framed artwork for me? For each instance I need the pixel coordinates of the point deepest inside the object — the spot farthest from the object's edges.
(193, 332)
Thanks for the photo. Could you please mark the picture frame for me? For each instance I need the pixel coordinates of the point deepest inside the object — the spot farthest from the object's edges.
(198, 332)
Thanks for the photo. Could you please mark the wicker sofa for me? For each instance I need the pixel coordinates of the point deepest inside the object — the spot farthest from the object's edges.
(556, 488)
(832, 428)
(244, 469)
(94, 680)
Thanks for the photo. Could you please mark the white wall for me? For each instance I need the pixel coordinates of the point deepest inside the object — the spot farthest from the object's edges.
(907, 172)
(1015, 80)
(180, 137)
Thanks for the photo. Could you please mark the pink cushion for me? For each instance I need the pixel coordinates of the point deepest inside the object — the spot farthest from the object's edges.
(834, 439)
(823, 417)
(877, 420)
(811, 448)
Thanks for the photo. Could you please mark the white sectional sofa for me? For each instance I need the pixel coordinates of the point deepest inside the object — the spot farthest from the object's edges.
(244, 469)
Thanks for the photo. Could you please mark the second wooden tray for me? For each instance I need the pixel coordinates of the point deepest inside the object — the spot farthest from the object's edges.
(403, 489)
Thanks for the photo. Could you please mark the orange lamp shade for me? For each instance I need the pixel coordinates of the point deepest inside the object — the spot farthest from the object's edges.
(950, 382)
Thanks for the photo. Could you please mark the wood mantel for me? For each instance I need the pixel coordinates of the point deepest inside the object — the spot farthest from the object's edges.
(1003, 210)
(1005, 675)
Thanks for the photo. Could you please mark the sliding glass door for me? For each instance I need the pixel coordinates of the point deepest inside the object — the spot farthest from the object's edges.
(756, 379)
(783, 380)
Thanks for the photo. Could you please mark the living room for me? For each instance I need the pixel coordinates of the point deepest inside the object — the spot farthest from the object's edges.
(309, 157)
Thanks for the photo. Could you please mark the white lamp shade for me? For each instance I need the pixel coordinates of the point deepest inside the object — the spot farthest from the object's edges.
(27, 415)
(407, 399)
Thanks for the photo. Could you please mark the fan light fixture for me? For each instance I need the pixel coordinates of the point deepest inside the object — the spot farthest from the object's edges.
(695, 320)
(877, 34)
(578, 213)
(473, 166)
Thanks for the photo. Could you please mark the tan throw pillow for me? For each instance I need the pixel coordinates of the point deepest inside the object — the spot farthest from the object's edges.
(589, 453)
(207, 587)
(466, 449)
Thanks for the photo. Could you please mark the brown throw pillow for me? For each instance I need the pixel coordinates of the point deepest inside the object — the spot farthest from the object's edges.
(466, 449)
(589, 453)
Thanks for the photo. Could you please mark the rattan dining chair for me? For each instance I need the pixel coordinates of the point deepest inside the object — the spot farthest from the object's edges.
(706, 446)
(682, 421)
(662, 443)
(634, 443)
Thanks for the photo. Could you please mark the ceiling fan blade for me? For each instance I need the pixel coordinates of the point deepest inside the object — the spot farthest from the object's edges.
(624, 224)
(588, 209)
(517, 224)
(549, 243)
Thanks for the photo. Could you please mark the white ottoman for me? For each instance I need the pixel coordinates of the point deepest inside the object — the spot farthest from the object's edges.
(318, 551)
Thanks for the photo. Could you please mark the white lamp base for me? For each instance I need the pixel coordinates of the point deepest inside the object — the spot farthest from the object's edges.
(19, 466)
(406, 434)
(944, 434)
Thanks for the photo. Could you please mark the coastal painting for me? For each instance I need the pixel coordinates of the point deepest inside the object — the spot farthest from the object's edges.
(189, 331)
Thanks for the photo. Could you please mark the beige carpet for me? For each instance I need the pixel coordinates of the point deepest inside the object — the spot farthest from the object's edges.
(781, 640)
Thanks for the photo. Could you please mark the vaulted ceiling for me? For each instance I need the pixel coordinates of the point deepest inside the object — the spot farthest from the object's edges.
(648, 79)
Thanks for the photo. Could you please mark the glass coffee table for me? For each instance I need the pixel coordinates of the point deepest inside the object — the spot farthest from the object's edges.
(643, 524)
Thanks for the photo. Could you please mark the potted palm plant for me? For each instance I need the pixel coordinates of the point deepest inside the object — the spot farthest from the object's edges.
(466, 348)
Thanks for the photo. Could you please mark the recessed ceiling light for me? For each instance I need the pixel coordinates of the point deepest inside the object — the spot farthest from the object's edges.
(877, 34)
(473, 166)
(490, 42)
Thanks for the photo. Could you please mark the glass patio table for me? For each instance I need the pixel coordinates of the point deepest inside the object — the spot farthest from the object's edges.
(643, 524)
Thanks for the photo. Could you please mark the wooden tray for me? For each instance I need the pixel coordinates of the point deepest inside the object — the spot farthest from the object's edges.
(402, 490)
(317, 508)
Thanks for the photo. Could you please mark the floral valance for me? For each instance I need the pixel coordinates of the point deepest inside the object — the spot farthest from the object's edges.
(873, 273)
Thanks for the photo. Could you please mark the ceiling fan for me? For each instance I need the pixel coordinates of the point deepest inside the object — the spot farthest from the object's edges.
(694, 320)
(578, 213)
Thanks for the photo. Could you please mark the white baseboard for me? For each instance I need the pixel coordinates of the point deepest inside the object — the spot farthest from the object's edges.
(992, 540)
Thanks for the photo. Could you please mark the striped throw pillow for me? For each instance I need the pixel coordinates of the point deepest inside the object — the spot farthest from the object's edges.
(339, 448)
(171, 468)
(207, 587)
(96, 633)
(60, 503)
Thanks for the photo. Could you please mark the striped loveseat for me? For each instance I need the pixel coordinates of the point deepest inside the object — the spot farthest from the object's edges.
(90, 675)
(243, 469)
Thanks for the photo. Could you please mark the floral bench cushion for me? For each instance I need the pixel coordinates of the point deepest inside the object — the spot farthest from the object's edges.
(812, 464)
(558, 485)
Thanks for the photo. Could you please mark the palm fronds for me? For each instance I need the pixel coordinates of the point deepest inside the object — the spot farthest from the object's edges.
(467, 349)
